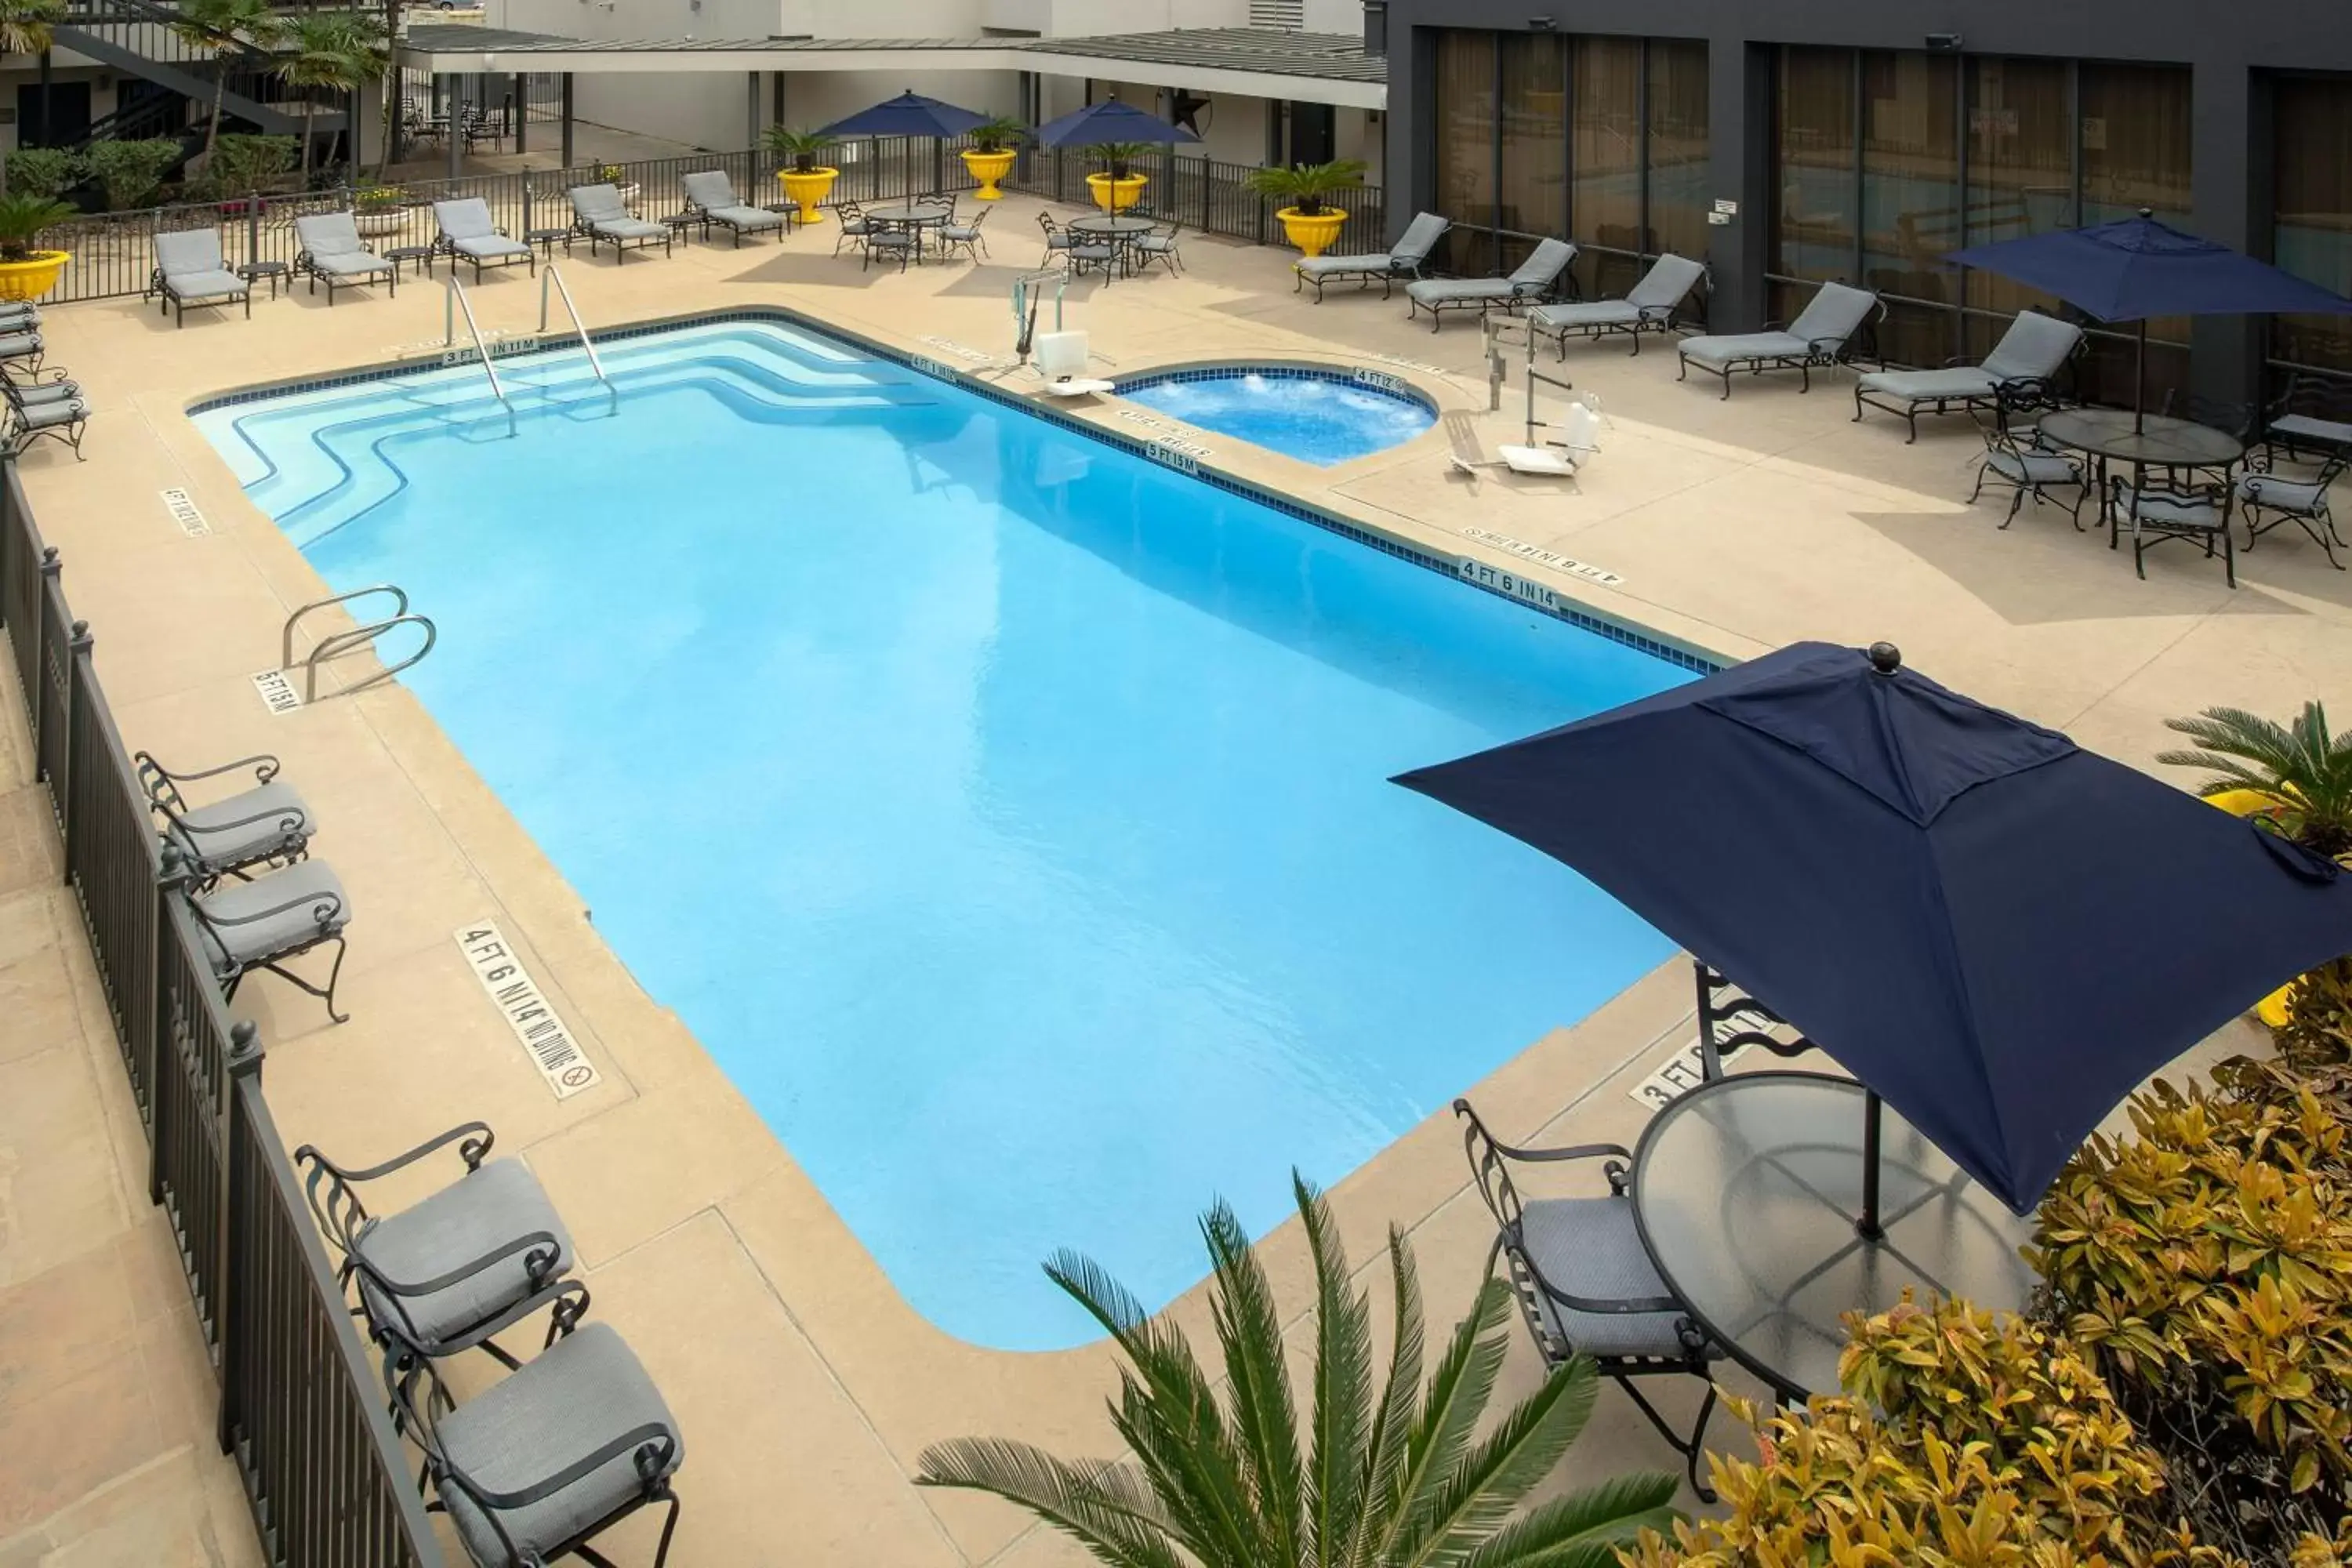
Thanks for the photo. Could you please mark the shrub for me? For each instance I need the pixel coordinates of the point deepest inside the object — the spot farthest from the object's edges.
(1994, 1442)
(131, 172)
(44, 171)
(378, 198)
(242, 164)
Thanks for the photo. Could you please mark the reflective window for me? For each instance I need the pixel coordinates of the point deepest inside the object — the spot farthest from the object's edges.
(1466, 144)
(2311, 232)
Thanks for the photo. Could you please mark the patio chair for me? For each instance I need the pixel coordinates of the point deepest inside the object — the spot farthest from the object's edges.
(605, 218)
(550, 1457)
(263, 923)
(1405, 258)
(2300, 501)
(1648, 307)
(333, 251)
(855, 227)
(446, 1274)
(191, 270)
(1585, 1284)
(267, 826)
(1822, 334)
(1058, 238)
(967, 234)
(1087, 251)
(2198, 512)
(1534, 278)
(468, 232)
(2311, 419)
(710, 196)
(19, 316)
(890, 241)
(2017, 456)
(2035, 348)
(54, 409)
(1161, 246)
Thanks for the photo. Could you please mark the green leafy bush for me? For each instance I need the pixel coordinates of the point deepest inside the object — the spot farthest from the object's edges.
(46, 171)
(240, 165)
(131, 172)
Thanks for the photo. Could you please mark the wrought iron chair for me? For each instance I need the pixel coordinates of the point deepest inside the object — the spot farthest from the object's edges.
(548, 1457)
(445, 1275)
(2311, 419)
(1584, 1282)
(262, 924)
(965, 233)
(2195, 511)
(1058, 238)
(1160, 245)
(856, 227)
(267, 826)
(2301, 501)
(2016, 454)
(54, 408)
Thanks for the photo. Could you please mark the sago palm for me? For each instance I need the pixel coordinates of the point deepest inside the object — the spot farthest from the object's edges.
(2300, 765)
(1390, 1473)
(221, 25)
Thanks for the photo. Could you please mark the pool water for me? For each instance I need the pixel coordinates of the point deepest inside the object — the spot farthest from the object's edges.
(1319, 417)
(1005, 813)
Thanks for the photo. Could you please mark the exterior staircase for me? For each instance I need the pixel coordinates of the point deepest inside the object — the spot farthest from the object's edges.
(136, 37)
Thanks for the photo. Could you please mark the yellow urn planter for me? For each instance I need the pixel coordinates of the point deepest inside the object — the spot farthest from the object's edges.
(1115, 195)
(1312, 232)
(2277, 1009)
(808, 188)
(31, 277)
(988, 168)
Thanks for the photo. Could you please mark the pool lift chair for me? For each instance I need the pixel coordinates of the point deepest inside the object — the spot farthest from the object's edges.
(1060, 358)
(1537, 457)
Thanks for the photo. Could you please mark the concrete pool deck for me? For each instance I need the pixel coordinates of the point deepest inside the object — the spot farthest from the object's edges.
(806, 1387)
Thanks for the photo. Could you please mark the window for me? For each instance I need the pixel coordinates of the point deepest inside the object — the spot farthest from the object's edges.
(2310, 234)
(1910, 198)
(1679, 178)
(1605, 154)
(1533, 197)
(1466, 145)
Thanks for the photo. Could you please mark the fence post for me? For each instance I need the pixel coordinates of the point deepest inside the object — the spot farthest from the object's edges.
(252, 225)
(77, 648)
(244, 1068)
(173, 879)
(51, 567)
(526, 217)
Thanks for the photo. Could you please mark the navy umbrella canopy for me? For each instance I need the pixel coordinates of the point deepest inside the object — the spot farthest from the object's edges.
(1109, 120)
(1996, 930)
(908, 114)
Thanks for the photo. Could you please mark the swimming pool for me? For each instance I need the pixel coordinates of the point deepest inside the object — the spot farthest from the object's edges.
(1319, 416)
(1003, 811)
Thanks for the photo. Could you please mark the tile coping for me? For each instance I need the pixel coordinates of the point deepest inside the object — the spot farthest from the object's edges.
(1492, 578)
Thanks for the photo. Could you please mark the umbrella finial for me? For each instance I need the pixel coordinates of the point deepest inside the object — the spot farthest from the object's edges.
(2148, 211)
(1886, 657)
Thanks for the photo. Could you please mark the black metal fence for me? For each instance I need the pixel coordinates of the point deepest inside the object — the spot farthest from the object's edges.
(1201, 193)
(301, 1410)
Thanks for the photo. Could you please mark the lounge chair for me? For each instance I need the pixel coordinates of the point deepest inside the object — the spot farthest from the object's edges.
(468, 233)
(547, 1458)
(2302, 501)
(262, 924)
(1584, 1283)
(191, 270)
(710, 196)
(333, 250)
(19, 316)
(2312, 418)
(1532, 280)
(1648, 307)
(2035, 348)
(54, 409)
(267, 826)
(446, 1273)
(1405, 258)
(1822, 334)
(605, 218)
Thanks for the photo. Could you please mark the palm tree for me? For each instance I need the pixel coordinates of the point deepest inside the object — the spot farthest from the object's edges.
(338, 50)
(1391, 1476)
(2300, 765)
(220, 25)
(25, 28)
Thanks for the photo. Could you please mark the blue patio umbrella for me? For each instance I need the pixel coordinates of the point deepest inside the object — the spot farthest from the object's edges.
(908, 114)
(2137, 268)
(1995, 931)
(1109, 120)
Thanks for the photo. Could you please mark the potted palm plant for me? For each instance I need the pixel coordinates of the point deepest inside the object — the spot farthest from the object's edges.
(26, 273)
(806, 181)
(617, 177)
(995, 143)
(1115, 186)
(1308, 220)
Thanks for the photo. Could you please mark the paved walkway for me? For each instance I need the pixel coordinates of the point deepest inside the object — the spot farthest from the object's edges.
(806, 1386)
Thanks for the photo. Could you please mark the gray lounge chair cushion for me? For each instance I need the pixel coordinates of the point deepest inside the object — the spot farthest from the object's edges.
(350, 263)
(255, 825)
(749, 219)
(1833, 314)
(602, 209)
(1369, 264)
(1537, 273)
(580, 1393)
(2312, 430)
(2278, 494)
(50, 415)
(193, 266)
(1668, 282)
(1586, 314)
(315, 906)
(17, 344)
(1590, 1247)
(1929, 386)
(2034, 348)
(1740, 347)
(1441, 291)
(47, 392)
(714, 193)
(484, 1210)
(2169, 510)
(1412, 248)
(467, 226)
(330, 234)
(2032, 467)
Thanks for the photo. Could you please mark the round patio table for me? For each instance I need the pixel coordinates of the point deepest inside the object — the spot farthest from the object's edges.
(917, 214)
(1746, 1192)
(2105, 435)
(1115, 225)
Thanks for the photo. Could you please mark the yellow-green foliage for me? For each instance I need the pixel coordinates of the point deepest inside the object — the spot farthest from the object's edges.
(1995, 1445)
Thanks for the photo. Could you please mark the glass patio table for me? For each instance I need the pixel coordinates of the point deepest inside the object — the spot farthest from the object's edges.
(1746, 1192)
(916, 214)
(2107, 436)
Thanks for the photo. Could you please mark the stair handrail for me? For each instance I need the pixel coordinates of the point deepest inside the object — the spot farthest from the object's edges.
(336, 643)
(456, 298)
(286, 647)
(554, 275)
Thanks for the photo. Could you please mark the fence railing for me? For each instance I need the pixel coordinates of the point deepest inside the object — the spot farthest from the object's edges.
(1201, 193)
(301, 1411)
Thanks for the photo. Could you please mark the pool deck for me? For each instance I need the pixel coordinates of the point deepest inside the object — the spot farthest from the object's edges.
(806, 1387)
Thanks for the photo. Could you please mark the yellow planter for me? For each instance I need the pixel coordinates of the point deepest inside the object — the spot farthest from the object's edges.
(1115, 195)
(1312, 232)
(2276, 1009)
(31, 278)
(988, 168)
(809, 187)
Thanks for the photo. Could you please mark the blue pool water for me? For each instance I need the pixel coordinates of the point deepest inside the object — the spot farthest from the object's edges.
(1007, 815)
(1321, 418)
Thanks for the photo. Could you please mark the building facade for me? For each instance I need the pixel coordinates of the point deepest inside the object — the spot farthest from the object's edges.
(1812, 139)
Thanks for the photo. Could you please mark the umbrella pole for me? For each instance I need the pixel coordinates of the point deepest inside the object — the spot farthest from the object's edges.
(1867, 1226)
(2139, 379)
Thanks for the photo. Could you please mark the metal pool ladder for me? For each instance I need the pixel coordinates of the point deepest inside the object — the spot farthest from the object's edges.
(335, 644)
(580, 328)
(455, 299)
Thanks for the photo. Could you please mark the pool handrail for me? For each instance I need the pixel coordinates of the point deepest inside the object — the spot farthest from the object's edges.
(555, 275)
(481, 350)
(286, 644)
